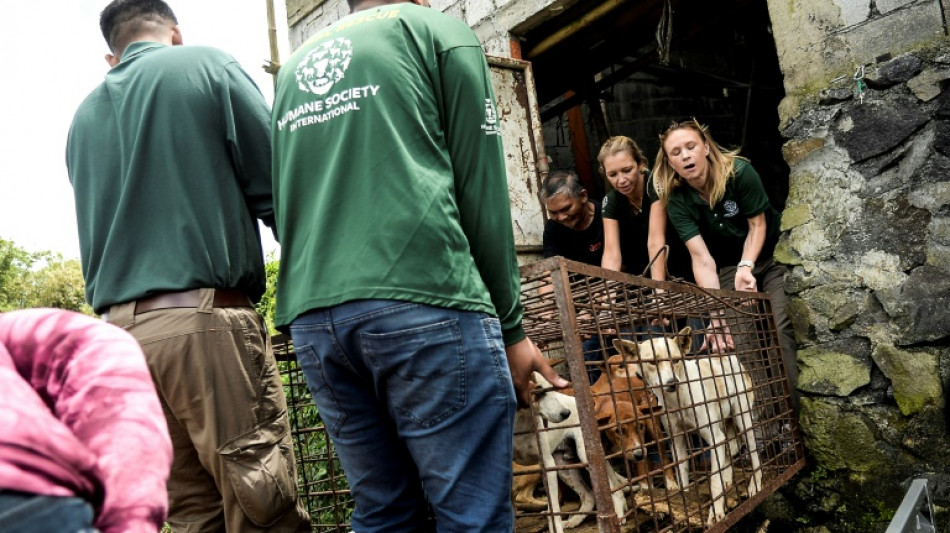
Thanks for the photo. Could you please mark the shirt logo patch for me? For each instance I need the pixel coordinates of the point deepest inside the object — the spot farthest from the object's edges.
(596, 246)
(731, 208)
(324, 65)
(491, 125)
(603, 204)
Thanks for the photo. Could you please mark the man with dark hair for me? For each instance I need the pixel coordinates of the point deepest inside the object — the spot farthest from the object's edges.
(170, 164)
(575, 226)
(399, 280)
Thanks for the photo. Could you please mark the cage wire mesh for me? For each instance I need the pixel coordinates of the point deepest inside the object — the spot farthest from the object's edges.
(666, 436)
(620, 450)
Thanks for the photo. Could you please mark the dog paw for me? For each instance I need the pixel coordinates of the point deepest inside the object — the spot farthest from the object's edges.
(715, 516)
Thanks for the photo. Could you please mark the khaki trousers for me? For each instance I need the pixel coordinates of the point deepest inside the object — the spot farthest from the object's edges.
(214, 369)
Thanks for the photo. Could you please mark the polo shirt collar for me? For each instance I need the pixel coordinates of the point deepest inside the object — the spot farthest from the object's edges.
(138, 48)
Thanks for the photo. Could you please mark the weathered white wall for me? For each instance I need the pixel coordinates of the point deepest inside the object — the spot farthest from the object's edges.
(492, 20)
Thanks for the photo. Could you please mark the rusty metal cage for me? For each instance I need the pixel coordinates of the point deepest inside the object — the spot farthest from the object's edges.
(721, 426)
(320, 481)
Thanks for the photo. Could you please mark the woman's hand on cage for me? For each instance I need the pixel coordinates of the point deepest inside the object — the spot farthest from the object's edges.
(718, 339)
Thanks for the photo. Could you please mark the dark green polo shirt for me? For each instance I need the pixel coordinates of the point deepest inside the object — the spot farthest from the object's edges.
(725, 226)
(170, 164)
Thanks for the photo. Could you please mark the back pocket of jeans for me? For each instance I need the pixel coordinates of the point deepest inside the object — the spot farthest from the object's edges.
(258, 465)
(424, 368)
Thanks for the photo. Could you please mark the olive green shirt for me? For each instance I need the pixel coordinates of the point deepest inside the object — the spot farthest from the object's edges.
(170, 164)
(389, 173)
(725, 226)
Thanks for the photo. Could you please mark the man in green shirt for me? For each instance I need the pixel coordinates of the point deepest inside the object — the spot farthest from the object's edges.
(170, 165)
(398, 278)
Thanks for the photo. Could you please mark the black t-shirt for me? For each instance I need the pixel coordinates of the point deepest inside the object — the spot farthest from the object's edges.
(634, 231)
(586, 246)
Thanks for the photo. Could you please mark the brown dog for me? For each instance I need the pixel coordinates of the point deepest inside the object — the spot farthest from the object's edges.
(626, 414)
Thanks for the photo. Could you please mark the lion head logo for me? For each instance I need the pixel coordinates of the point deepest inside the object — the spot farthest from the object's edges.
(324, 65)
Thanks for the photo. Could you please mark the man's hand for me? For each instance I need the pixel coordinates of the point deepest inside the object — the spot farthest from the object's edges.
(523, 358)
(718, 338)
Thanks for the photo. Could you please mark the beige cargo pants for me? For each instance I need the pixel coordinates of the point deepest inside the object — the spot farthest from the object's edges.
(214, 369)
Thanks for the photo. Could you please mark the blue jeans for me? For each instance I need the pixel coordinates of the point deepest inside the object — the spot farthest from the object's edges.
(419, 404)
(22, 512)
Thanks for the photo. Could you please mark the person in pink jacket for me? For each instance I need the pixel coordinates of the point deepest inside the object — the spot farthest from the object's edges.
(83, 441)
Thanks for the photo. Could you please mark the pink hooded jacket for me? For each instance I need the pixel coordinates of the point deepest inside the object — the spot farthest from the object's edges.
(80, 417)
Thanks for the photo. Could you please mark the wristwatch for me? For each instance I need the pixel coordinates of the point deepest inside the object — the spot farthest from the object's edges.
(745, 263)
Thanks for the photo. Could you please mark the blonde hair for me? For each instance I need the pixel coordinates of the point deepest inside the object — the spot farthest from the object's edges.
(617, 144)
(722, 164)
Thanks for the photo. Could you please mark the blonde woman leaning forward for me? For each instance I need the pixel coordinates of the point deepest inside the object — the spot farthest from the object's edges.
(717, 204)
(629, 211)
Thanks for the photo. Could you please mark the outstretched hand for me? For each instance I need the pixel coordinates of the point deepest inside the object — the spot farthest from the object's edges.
(523, 359)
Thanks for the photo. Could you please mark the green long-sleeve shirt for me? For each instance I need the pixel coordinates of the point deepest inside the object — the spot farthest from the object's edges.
(170, 164)
(389, 174)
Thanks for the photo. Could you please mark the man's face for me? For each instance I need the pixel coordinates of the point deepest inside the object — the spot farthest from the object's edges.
(568, 211)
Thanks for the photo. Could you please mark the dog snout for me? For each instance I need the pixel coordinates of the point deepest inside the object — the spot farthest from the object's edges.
(564, 414)
(637, 454)
(671, 384)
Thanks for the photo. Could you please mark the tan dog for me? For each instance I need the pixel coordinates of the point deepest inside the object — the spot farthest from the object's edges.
(556, 442)
(710, 396)
(628, 418)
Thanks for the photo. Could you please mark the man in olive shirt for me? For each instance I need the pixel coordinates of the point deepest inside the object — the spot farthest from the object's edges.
(398, 276)
(170, 165)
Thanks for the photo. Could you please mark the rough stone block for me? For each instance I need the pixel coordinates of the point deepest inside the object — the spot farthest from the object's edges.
(914, 376)
(476, 10)
(886, 6)
(832, 373)
(925, 299)
(834, 96)
(904, 29)
(795, 216)
(840, 440)
(897, 70)
(794, 151)
(853, 11)
(929, 84)
(872, 128)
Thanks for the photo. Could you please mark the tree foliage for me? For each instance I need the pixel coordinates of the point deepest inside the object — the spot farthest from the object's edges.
(39, 279)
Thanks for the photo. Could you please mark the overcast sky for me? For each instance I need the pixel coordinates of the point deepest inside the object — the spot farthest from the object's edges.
(52, 56)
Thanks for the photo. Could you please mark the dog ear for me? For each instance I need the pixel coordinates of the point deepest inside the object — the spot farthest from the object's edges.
(684, 339)
(628, 349)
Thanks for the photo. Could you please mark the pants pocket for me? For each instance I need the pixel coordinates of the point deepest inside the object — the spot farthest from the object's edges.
(258, 466)
(425, 366)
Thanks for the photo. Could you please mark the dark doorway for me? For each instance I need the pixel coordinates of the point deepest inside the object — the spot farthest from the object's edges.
(602, 68)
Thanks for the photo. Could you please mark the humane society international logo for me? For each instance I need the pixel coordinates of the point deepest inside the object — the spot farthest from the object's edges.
(317, 73)
(731, 208)
(491, 125)
(324, 65)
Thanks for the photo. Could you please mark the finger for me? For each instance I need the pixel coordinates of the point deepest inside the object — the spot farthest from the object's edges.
(549, 374)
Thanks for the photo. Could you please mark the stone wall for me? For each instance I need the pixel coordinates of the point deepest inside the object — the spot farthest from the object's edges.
(867, 236)
(818, 40)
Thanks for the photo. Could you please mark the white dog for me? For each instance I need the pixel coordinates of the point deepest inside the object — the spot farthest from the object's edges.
(559, 439)
(710, 395)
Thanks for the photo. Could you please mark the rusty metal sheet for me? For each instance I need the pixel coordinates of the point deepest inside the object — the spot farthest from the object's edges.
(525, 160)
